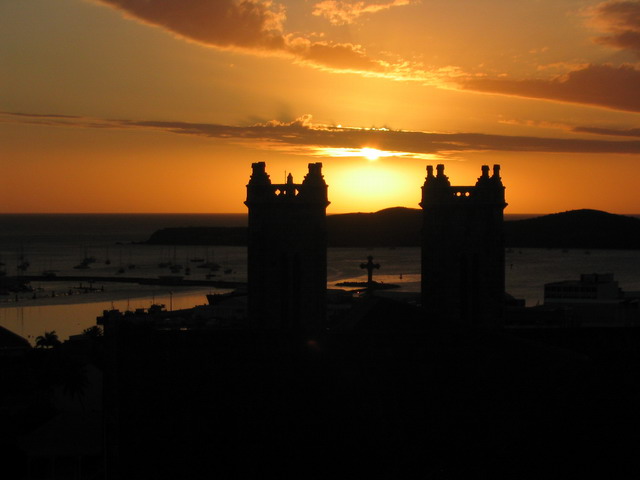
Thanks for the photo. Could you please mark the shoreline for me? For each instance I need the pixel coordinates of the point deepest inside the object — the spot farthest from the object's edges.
(46, 299)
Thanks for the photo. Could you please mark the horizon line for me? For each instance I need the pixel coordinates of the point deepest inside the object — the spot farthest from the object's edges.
(246, 213)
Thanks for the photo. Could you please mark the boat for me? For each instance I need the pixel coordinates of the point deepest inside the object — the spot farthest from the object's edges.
(211, 266)
(86, 261)
(84, 264)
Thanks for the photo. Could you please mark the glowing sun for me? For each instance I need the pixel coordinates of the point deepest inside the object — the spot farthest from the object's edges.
(371, 154)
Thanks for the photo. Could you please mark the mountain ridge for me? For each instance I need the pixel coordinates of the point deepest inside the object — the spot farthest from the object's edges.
(401, 227)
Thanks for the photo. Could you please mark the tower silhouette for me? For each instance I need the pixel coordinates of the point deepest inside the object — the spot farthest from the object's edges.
(287, 250)
(463, 248)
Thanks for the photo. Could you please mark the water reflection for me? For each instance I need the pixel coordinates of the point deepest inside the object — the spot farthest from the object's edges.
(66, 320)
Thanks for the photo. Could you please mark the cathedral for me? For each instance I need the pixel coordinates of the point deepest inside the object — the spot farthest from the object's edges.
(462, 247)
(287, 250)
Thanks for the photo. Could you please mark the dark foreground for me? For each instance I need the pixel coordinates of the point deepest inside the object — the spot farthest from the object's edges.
(411, 403)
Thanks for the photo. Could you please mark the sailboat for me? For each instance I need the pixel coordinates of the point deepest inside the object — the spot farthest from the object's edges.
(86, 261)
(120, 268)
(175, 267)
(212, 266)
(23, 263)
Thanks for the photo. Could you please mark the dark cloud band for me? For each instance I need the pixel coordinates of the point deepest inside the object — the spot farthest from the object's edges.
(301, 136)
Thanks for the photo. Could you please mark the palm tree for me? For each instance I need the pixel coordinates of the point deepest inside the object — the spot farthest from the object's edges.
(48, 340)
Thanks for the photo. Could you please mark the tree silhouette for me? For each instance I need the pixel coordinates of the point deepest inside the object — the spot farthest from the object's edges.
(48, 340)
(92, 332)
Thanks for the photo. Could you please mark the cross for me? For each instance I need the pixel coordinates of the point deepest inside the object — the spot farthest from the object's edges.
(369, 266)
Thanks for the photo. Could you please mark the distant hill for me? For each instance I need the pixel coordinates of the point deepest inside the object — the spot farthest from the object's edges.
(400, 227)
(391, 227)
(575, 229)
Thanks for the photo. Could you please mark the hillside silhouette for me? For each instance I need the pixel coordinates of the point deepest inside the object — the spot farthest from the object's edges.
(575, 229)
(400, 227)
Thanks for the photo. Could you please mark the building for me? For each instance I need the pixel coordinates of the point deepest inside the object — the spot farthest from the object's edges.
(594, 300)
(591, 288)
(287, 250)
(463, 278)
(381, 393)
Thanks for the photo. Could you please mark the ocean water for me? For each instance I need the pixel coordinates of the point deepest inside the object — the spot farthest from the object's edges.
(60, 242)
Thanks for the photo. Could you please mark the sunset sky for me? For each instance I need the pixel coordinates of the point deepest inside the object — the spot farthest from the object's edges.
(162, 105)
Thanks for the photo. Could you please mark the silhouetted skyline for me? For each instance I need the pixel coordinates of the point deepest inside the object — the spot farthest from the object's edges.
(123, 106)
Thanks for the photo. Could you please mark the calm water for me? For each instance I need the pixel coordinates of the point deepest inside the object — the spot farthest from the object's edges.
(60, 242)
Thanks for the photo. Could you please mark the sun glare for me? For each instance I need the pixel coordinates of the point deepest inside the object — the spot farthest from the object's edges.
(371, 154)
(372, 186)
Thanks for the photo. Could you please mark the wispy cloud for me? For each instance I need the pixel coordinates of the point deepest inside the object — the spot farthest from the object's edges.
(621, 21)
(596, 130)
(598, 85)
(257, 27)
(617, 132)
(340, 12)
(601, 85)
(302, 136)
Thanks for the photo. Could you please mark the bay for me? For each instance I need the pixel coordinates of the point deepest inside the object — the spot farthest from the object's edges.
(60, 242)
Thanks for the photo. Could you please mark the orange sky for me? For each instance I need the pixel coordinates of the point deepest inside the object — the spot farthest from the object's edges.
(162, 105)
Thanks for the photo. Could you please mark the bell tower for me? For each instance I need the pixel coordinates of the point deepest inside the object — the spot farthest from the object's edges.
(463, 277)
(287, 250)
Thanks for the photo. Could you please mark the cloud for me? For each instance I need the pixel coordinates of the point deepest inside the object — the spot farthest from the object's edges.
(599, 85)
(345, 57)
(340, 12)
(621, 20)
(257, 27)
(223, 23)
(302, 136)
(254, 26)
(618, 132)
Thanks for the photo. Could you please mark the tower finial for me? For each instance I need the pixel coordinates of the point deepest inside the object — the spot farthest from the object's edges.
(259, 174)
(315, 169)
